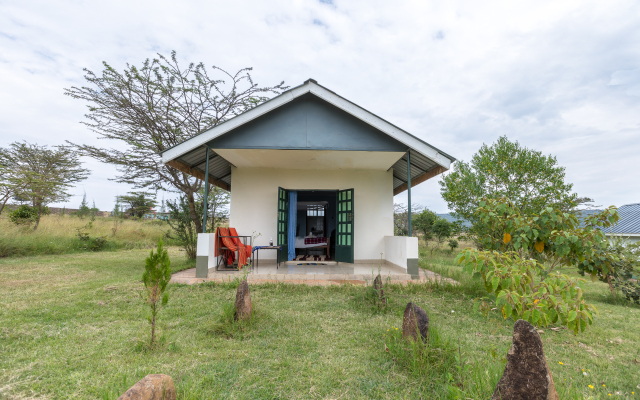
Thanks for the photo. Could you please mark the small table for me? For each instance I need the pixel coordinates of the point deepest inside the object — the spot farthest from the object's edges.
(258, 248)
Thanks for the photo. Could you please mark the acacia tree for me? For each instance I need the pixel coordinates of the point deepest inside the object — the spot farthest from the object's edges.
(41, 175)
(529, 179)
(137, 203)
(149, 109)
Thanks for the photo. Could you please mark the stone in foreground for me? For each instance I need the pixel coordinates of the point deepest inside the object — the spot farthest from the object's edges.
(151, 387)
(377, 286)
(526, 375)
(243, 302)
(415, 321)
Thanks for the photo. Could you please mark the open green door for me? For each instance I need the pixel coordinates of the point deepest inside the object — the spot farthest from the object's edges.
(344, 238)
(283, 222)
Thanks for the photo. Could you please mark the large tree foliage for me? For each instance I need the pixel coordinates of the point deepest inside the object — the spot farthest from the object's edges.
(136, 204)
(401, 218)
(41, 175)
(148, 109)
(529, 179)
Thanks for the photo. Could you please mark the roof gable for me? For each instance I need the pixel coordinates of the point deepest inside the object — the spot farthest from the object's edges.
(311, 86)
(305, 123)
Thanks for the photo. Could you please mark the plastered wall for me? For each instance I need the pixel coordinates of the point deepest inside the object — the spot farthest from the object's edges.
(254, 194)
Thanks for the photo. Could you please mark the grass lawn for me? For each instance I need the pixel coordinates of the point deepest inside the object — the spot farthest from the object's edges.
(71, 327)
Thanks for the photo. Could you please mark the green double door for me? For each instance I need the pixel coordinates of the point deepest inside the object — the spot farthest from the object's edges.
(283, 222)
(344, 230)
(344, 225)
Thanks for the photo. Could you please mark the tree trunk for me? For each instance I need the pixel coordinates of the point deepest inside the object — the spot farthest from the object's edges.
(4, 202)
(192, 210)
(38, 207)
(613, 291)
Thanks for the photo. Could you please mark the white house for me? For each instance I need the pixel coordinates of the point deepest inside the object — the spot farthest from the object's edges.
(310, 167)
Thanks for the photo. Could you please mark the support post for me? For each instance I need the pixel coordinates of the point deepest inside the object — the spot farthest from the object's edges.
(409, 189)
(206, 193)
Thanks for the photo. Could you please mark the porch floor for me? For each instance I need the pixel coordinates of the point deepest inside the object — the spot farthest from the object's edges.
(319, 275)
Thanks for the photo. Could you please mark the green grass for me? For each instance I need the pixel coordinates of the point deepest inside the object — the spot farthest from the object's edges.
(71, 327)
(59, 235)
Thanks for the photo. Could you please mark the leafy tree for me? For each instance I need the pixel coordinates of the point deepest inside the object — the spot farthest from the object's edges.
(424, 222)
(401, 220)
(137, 203)
(9, 186)
(149, 109)
(182, 225)
(442, 230)
(433, 227)
(520, 294)
(453, 244)
(553, 237)
(156, 277)
(23, 215)
(93, 211)
(41, 175)
(83, 210)
(529, 179)
(217, 204)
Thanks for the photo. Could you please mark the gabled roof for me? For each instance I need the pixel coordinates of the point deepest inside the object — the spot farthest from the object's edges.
(629, 223)
(189, 156)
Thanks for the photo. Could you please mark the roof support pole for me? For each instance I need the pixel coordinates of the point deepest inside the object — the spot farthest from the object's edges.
(206, 192)
(409, 190)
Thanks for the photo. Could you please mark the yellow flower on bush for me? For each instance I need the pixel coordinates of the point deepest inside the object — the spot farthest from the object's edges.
(590, 386)
(561, 363)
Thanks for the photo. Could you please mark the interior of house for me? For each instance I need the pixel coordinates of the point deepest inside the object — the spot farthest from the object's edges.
(315, 225)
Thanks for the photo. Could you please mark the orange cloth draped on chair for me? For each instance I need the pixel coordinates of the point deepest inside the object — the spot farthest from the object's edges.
(232, 245)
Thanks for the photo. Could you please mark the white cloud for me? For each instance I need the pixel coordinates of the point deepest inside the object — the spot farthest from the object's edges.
(560, 77)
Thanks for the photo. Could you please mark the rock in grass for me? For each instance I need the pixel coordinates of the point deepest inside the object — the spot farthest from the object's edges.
(377, 286)
(415, 321)
(526, 375)
(151, 387)
(243, 301)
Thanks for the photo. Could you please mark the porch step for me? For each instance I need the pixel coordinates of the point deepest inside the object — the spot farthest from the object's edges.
(311, 263)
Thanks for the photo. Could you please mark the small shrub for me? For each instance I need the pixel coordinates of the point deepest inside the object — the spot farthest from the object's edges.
(433, 360)
(23, 215)
(227, 326)
(156, 278)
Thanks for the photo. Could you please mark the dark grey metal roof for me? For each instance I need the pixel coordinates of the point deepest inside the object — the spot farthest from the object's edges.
(629, 220)
(220, 169)
(419, 165)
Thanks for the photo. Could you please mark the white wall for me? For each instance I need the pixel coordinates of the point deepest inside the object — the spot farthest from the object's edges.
(254, 195)
(400, 248)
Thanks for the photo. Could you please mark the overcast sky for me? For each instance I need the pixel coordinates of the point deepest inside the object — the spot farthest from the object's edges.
(562, 77)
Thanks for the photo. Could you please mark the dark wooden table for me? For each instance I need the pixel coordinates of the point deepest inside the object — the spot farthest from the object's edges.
(258, 248)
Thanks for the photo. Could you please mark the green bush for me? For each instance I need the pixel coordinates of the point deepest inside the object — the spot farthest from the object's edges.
(522, 294)
(23, 215)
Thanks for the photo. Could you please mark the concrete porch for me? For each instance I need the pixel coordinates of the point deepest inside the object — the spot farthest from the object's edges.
(319, 275)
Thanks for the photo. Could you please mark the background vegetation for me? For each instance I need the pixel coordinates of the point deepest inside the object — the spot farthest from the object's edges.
(60, 235)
